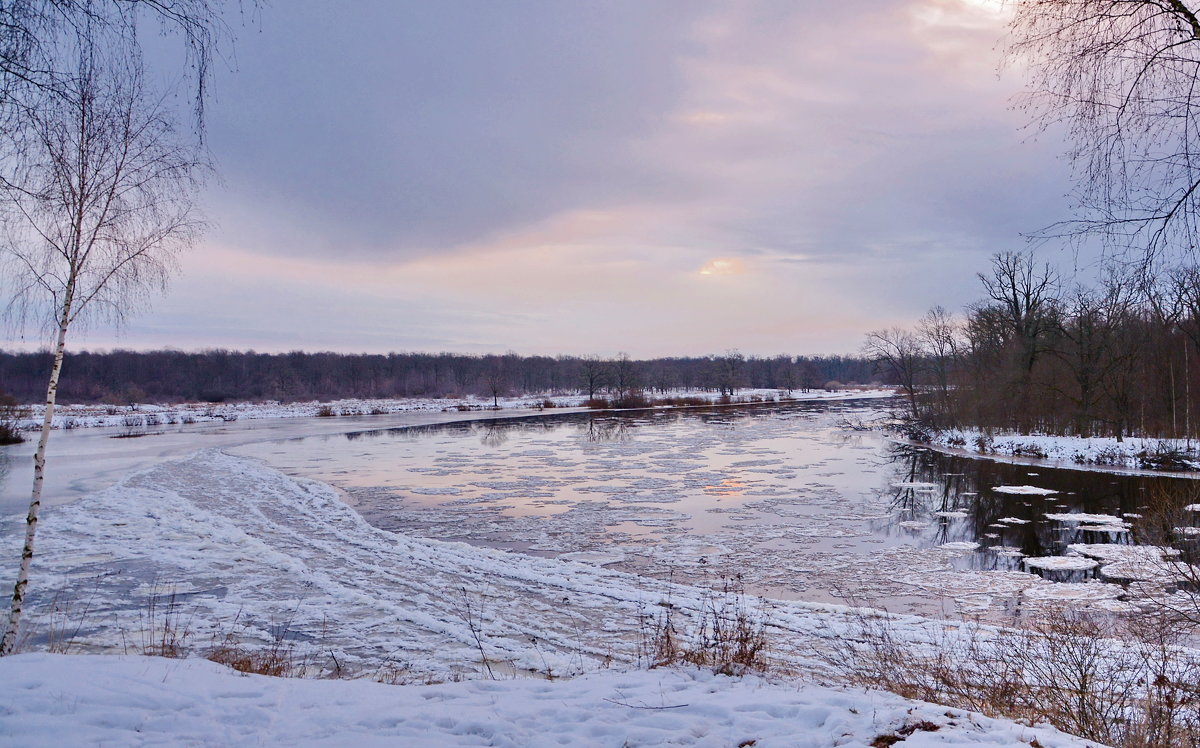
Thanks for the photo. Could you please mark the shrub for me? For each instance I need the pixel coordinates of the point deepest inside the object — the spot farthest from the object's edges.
(1069, 670)
(276, 660)
(325, 411)
(633, 399)
(10, 415)
(728, 636)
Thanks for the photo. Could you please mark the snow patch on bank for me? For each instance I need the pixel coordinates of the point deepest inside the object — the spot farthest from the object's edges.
(1131, 453)
(53, 700)
(143, 417)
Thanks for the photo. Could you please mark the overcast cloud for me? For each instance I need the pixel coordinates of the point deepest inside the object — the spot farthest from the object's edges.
(660, 177)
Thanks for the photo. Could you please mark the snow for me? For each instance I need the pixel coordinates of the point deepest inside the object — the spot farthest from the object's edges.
(1072, 450)
(1061, 563)
(54, 700)
(140, 418)
(1094, 519)
(1024, 490)
(965, 545)
(1122, 552)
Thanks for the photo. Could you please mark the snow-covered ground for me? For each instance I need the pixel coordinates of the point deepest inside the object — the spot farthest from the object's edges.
(56, 700)
(1131, 453)
(150, 416)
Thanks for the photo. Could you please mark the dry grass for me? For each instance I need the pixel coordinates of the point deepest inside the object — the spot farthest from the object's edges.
(164, 629)
(728, 635)
(276, 660)
(1121, 683)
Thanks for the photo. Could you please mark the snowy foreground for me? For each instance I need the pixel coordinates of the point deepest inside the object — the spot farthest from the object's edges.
(150, 416)
(57, 700)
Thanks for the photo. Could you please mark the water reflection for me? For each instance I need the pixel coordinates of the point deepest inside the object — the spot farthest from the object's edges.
(959, 497)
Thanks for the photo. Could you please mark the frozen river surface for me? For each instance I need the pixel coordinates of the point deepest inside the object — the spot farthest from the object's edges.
(783, 501)
(550, 538)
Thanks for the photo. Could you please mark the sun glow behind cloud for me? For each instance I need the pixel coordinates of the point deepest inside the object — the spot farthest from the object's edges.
(723, 266)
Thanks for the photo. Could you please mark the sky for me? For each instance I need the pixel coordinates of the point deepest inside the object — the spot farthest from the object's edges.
(658, 177)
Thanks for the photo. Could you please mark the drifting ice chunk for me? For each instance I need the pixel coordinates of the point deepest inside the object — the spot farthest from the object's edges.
(1094, 519)
(1115, 552)
(1024, 490)
(1074, 591)
(1061, 563)
(1143, 570)
(960, 546)
(596, 558)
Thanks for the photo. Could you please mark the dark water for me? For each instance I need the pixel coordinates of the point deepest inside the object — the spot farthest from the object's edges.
(968, 485)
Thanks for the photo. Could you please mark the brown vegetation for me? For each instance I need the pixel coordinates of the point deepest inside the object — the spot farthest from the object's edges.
(1117, 358)
(1126, 684)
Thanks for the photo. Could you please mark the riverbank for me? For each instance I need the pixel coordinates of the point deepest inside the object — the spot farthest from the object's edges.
(1132, 454)
(143, 417)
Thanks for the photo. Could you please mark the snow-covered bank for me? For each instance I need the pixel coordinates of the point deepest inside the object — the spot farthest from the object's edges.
(150, 416)
(55, 700)
(1130, 454)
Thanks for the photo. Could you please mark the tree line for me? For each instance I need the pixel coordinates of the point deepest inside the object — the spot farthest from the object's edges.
(122, 376)
(1116, 356)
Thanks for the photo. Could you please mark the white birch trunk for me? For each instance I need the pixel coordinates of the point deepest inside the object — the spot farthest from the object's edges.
(8, 645)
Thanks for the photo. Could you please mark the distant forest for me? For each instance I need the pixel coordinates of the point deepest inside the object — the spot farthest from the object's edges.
(122, 377)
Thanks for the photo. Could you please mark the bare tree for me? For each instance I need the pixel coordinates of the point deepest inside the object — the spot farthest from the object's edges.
(1096, 349)
(1122, 75)
(1025, 298)
(624, 378)
(97, 196)
(938, 333)
(901, 351)
(593, 374)
(728, 371)
(32, 35)
(496, 379)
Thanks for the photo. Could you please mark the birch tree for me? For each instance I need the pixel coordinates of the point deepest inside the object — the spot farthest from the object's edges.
(31, 32)
(97, 191)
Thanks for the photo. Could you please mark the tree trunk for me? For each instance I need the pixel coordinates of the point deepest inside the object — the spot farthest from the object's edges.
(9, 643)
